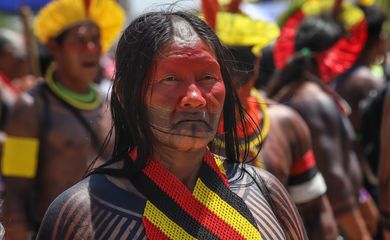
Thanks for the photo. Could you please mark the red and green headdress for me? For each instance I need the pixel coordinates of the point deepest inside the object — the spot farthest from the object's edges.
(338, 58)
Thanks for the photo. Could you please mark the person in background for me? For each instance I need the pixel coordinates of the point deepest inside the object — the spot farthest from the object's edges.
(57, 128)
(282, 147)
(13, 68)
(171, 86)
(300, 85)
(384, 167)
(357, 85)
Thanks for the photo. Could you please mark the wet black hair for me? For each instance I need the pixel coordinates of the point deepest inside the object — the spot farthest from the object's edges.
(315, 35)
(137, 49)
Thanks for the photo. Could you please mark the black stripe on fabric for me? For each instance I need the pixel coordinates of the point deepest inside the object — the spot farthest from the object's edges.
(112, 228)
(265, 229)
(281, 200)
(103, 224)
(303, 177)
(264, 210)
(169, 207)
(127, 223)
(82, 226)
(212, 180)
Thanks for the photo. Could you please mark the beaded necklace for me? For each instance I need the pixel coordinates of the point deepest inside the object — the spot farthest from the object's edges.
(257, 138)
(87, 102)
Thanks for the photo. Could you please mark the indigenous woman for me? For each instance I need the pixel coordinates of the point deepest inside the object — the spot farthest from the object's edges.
(283, 146)
(171, 86)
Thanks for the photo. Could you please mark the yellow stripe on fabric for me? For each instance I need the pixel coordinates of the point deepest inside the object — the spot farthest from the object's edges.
(20, 157)
(219, 161)
(165, 224)
(225, 211)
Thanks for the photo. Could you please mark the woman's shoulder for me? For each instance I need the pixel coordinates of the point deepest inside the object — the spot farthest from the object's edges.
(97, 196)
(249, 173)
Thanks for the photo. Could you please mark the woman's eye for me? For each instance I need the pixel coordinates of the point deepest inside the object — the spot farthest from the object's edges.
(169, 80)
(209, 77)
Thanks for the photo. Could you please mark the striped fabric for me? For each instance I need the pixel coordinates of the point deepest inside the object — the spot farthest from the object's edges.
(211, 211)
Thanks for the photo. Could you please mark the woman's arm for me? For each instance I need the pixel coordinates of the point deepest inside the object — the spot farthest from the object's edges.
(283, 207)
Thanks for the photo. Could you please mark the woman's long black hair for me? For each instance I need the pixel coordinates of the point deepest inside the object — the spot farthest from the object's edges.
(138, 46)
(315, 35)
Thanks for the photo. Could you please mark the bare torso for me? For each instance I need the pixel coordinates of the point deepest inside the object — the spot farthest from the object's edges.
(65, 151)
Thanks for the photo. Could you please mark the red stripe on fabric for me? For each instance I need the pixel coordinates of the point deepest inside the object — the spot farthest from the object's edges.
(175, 189)
(305, 163)
(152, 231)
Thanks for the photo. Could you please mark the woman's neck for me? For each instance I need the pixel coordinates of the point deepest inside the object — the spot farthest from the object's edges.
(184, 165)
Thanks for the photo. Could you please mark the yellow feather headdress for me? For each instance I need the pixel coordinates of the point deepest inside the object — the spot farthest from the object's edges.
(60, 15)
(240, 30)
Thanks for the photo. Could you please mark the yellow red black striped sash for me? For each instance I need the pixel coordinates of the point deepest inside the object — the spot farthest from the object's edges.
(211, 211)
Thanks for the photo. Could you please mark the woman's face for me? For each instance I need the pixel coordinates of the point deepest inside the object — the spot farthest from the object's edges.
(186, 96)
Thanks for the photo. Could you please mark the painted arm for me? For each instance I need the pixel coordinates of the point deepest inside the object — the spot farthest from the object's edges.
(284, 209)
(19, 162)
(306, 185)
(384, 169)
(325, 127)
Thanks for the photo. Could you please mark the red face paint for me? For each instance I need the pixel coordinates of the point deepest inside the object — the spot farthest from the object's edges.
(186, 97)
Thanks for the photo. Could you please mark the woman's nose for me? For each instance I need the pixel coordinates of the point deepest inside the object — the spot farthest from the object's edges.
(193, 98)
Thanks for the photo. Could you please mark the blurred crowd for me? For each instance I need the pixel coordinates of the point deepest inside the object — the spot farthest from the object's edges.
(316, 86)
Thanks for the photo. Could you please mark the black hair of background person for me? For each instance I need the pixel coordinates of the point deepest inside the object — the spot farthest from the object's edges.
(375, 19)
(316, 34)
(266, 67)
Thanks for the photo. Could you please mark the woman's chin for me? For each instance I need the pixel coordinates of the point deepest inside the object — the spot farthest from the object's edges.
(187, 144)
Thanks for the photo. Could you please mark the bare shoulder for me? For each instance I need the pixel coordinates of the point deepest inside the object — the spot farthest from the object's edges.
(286, 115)
(314, 105)
(25, 115)
(62, 212)
(363, 78)
(270, 181)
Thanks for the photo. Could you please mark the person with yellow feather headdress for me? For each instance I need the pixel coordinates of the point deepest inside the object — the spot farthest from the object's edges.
(57, 129)
(282, 144)
(319, 41)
